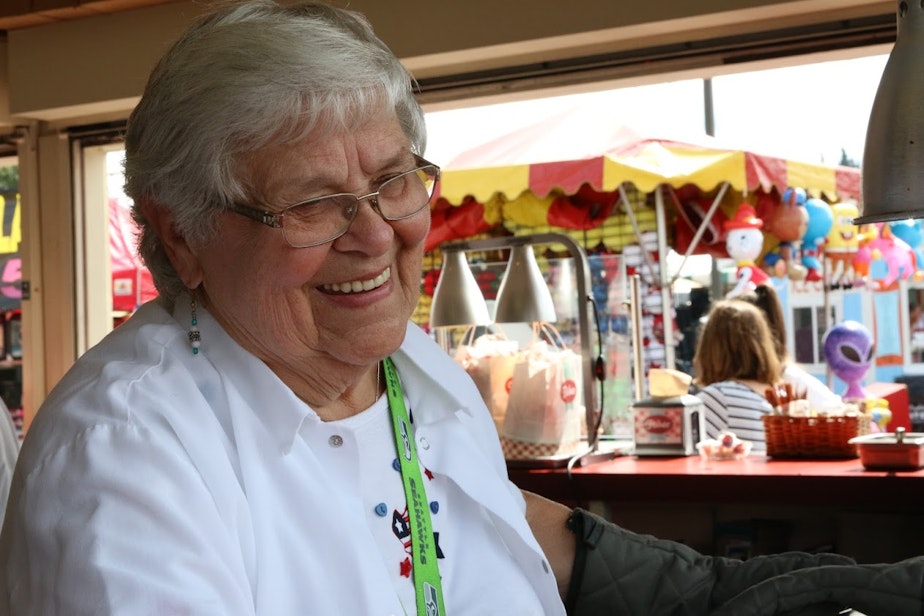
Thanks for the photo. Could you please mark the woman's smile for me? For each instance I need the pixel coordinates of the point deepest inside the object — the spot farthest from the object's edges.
(357, 286)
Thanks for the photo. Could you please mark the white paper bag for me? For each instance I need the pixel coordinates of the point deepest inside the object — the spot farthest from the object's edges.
(545, 406)
(489, 360)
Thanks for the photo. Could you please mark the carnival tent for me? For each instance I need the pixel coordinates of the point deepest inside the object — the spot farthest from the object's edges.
(569, 149)
(607, 185)
(131, 281)
(569, 172)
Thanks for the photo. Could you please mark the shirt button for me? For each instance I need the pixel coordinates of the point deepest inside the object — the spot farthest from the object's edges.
(335, 441)
(424, 443)
(545, 566)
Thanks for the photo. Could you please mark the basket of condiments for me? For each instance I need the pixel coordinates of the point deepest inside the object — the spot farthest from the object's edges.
(794, 430)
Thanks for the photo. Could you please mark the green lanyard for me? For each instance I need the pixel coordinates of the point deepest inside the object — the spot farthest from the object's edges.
(427, 585)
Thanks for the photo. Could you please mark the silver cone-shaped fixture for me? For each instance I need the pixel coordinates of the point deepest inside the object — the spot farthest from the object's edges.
(457, 299)
(523, 296)
(893, 157)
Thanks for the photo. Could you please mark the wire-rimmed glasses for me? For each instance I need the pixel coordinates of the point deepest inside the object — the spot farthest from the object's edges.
(324, 219)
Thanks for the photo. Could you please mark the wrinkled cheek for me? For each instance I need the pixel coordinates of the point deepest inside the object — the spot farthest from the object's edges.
(416, 231)
(412, 255)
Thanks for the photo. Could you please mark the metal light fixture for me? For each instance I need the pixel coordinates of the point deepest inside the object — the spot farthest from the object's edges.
(523, 296)
(523, 284)
(893, 157)
(457, 299)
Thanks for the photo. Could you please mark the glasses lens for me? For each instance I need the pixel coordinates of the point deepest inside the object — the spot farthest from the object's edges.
(406, 194)
(319, 220)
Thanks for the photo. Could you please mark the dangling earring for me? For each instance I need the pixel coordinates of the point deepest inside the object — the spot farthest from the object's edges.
(193, 335)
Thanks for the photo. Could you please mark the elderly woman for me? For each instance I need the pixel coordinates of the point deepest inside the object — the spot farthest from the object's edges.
(271, 436)
(735, 364)
(231, 449)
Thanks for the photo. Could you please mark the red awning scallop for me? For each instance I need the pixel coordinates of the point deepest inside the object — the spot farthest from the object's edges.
(569, 149)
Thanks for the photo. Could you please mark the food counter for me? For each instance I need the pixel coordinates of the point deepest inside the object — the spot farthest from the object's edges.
(754, 480)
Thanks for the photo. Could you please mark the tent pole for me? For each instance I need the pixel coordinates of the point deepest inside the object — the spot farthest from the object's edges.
(667, 307)
(624, 197)
(635, 318)
(826, 302)
(694, 243)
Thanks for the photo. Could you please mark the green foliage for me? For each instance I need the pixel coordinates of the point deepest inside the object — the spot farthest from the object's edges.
(9, 178)
(846, 161)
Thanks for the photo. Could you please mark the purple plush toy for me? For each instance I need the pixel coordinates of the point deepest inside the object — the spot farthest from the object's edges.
(849, 349)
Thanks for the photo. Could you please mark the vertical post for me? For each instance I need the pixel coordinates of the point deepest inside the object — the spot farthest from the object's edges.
(708, 108)
(667, 304)
(826, 321)
(635, 315)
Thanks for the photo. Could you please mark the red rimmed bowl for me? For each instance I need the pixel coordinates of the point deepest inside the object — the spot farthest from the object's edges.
(891, 451)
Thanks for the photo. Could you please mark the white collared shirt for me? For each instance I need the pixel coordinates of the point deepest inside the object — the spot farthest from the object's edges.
(9, 451)
(157, 482)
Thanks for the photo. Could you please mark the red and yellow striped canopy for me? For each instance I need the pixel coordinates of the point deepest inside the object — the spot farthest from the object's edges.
(565, 151)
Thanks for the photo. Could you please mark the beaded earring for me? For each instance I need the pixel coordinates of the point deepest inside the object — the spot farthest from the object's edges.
(193, 335)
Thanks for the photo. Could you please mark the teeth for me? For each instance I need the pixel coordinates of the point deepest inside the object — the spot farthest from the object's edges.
(355, 286)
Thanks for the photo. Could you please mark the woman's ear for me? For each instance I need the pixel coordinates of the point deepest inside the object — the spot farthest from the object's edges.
(181, 254)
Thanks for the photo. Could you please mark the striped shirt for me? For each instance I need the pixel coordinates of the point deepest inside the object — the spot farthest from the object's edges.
(735, 407)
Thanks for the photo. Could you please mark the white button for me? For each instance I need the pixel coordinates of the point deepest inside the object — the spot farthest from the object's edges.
(545, 566)
(424, 443)
(335, 441)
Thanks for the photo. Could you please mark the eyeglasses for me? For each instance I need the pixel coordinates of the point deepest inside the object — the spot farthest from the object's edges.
(324, 219)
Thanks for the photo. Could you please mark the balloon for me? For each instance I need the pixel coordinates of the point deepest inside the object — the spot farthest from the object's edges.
(908, 230)
(794, 196)
(885, 258)
(849, 349)
(820, 221)
(843, 237)
(787, 222)
(842, 244)
(744, 241)
(911, 232)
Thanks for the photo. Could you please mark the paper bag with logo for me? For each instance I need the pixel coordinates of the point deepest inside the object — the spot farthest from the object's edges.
(545, 410)
(489, 360)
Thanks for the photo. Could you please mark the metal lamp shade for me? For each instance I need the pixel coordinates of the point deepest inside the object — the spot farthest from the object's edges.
(457, 299)
(893, 158)
(523, 296)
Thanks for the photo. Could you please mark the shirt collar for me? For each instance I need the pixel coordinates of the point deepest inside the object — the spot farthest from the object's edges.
(272, 402)
(433, 382)
(425, 370)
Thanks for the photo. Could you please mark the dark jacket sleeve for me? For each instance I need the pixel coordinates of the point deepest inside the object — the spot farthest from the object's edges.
(875, 590)
(618, 572)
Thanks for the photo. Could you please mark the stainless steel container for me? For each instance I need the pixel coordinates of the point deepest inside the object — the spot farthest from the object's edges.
(668, 426)
(891, 451)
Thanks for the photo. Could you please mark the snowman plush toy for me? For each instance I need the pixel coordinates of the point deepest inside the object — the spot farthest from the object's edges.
(744, 242)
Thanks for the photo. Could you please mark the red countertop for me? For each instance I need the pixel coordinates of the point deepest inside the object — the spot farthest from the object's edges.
(755, 479)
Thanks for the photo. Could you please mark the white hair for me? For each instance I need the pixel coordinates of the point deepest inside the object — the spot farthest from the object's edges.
(250, 75)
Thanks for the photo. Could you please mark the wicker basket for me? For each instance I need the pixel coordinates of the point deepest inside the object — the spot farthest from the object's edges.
(813, 437)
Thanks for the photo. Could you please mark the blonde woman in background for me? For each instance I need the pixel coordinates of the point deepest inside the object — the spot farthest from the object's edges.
(735, 364)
